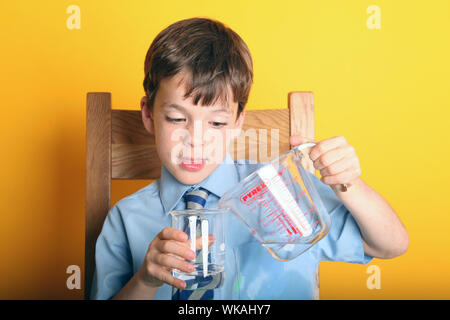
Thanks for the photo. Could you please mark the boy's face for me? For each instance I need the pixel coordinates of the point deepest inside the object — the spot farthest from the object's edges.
(191, 140)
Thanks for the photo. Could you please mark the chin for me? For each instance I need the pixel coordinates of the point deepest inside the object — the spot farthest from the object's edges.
(190, 178)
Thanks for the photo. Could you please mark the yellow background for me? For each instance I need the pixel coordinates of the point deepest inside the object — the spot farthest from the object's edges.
(387, 91)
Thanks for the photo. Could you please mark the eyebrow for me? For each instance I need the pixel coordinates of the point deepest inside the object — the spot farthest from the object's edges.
(167, 105)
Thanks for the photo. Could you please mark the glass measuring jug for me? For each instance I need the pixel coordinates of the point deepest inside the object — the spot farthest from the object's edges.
(280, 205)
(204, 228)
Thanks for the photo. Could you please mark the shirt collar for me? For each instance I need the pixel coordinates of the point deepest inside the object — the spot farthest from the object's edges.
(218, 182)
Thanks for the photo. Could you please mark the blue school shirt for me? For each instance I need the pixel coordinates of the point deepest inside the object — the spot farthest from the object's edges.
(250, 271)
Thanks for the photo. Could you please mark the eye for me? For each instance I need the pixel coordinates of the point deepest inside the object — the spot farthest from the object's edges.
(218, 124)
(174, 120)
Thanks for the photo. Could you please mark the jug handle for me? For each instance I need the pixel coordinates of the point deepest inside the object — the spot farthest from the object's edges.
(344, 187)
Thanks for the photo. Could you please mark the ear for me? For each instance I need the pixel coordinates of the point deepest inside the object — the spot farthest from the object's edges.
(147, 116)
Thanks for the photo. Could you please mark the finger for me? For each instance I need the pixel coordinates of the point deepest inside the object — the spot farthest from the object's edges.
(172, 234)
(325, 145)
(345, 177)
(296, 140)
(172, 262)
(166, 276)
(330, 157)
(199, 242)
(340, 166)
(176, 248)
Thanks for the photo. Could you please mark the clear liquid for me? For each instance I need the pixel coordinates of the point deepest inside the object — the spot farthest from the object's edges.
(213, 279)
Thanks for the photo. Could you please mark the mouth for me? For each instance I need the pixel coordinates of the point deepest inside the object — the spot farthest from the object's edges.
(192, 164)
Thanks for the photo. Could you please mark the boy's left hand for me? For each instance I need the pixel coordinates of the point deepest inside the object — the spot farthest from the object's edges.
(335, 158)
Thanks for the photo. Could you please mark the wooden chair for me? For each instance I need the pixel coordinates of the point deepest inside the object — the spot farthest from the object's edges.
(119, 147)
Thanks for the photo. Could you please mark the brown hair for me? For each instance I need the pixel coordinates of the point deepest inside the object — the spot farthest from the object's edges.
(214, 56)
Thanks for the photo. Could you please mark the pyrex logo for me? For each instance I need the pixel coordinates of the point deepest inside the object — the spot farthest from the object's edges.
(250, 195)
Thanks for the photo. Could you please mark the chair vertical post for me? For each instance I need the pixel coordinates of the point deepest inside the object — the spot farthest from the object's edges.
(98, 175)
(301, 111)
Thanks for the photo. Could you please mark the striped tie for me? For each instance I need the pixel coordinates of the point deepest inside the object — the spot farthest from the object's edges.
(195, 199)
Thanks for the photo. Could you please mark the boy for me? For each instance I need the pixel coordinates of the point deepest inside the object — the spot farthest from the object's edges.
(198, 75)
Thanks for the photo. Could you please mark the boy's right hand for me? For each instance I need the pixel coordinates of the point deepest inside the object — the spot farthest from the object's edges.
(167, 251)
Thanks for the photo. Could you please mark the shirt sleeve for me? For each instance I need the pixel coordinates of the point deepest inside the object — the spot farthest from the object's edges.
(113, 266)
(343, 243)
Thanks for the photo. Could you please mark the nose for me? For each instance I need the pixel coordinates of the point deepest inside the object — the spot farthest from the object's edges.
(194, 137)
